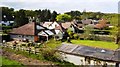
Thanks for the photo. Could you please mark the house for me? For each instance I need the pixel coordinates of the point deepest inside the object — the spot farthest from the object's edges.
(84, 55)
(7, 23)
(28, 31)
(95, 22)
(87, 21)
(67, 25)
(45, 35)
(50, 25)
(55, 28)
(102, 24)
(58, 33)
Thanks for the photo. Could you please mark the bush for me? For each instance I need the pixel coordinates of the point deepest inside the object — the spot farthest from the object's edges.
(50, 55)
(75, 36)
(6, 37)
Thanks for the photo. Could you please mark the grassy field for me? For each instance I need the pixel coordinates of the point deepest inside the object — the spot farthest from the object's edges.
(99, 44)
(5, 61)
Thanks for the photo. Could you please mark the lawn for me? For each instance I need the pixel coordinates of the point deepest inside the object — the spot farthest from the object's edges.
(6, 61)
(99, 44)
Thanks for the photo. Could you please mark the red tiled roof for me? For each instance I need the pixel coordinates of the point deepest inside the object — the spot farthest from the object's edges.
(27, 29)
(99, 26)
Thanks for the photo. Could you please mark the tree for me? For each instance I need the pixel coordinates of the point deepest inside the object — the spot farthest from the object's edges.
(74, 14)
(53, 16)
(7, 14)
(88, 32)
(21, 18)
(70, 32)
(63, 17)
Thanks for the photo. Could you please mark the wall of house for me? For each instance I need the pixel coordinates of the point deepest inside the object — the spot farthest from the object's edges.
(79, 60)
(58, 35)
(31, 38)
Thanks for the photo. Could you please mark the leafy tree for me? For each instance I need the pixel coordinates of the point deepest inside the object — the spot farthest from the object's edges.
(88, 32)
(70, 32)
(74, 14)
(63, 17)
(21, 18)
(7, 14)
(44, 15)
(30, 13)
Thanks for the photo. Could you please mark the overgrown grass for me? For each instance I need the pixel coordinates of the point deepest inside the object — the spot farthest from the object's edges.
(99, 44)
(26, 54)
(5, 62)
(46, 53)
(53, 44)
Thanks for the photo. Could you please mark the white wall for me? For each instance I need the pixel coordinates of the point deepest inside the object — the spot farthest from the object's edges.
(78, 60)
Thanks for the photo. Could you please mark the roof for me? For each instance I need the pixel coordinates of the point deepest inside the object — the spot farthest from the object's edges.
(46, 33)
(58, 28)
(102, 54)
(50, 25)
(66, 25)
(99, 26)
(86, 21)
(47, 24)
(27, 29)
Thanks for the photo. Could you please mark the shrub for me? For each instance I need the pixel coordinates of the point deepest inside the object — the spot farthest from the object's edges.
(50, 55)
(75, 36)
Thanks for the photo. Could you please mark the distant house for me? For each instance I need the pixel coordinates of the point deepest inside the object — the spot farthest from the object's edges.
(87, 21)
(84, 55)
(58, 32)
(102, 24)
(7, 23)
(50, 25)
(28, 31)
(95, 22)
(56, 28)
(67, 25)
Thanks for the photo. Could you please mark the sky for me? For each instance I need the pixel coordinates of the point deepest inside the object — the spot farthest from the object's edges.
(61, 6)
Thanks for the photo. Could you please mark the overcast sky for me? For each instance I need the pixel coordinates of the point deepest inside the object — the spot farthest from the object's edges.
(61, 6)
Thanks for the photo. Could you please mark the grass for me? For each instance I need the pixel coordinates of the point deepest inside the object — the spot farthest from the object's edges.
(53, 44)
(99, 44)
(6, 61)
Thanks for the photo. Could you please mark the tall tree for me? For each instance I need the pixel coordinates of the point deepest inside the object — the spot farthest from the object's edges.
(21, 18)
(7, 14)
(53, 16)
(74, 14)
